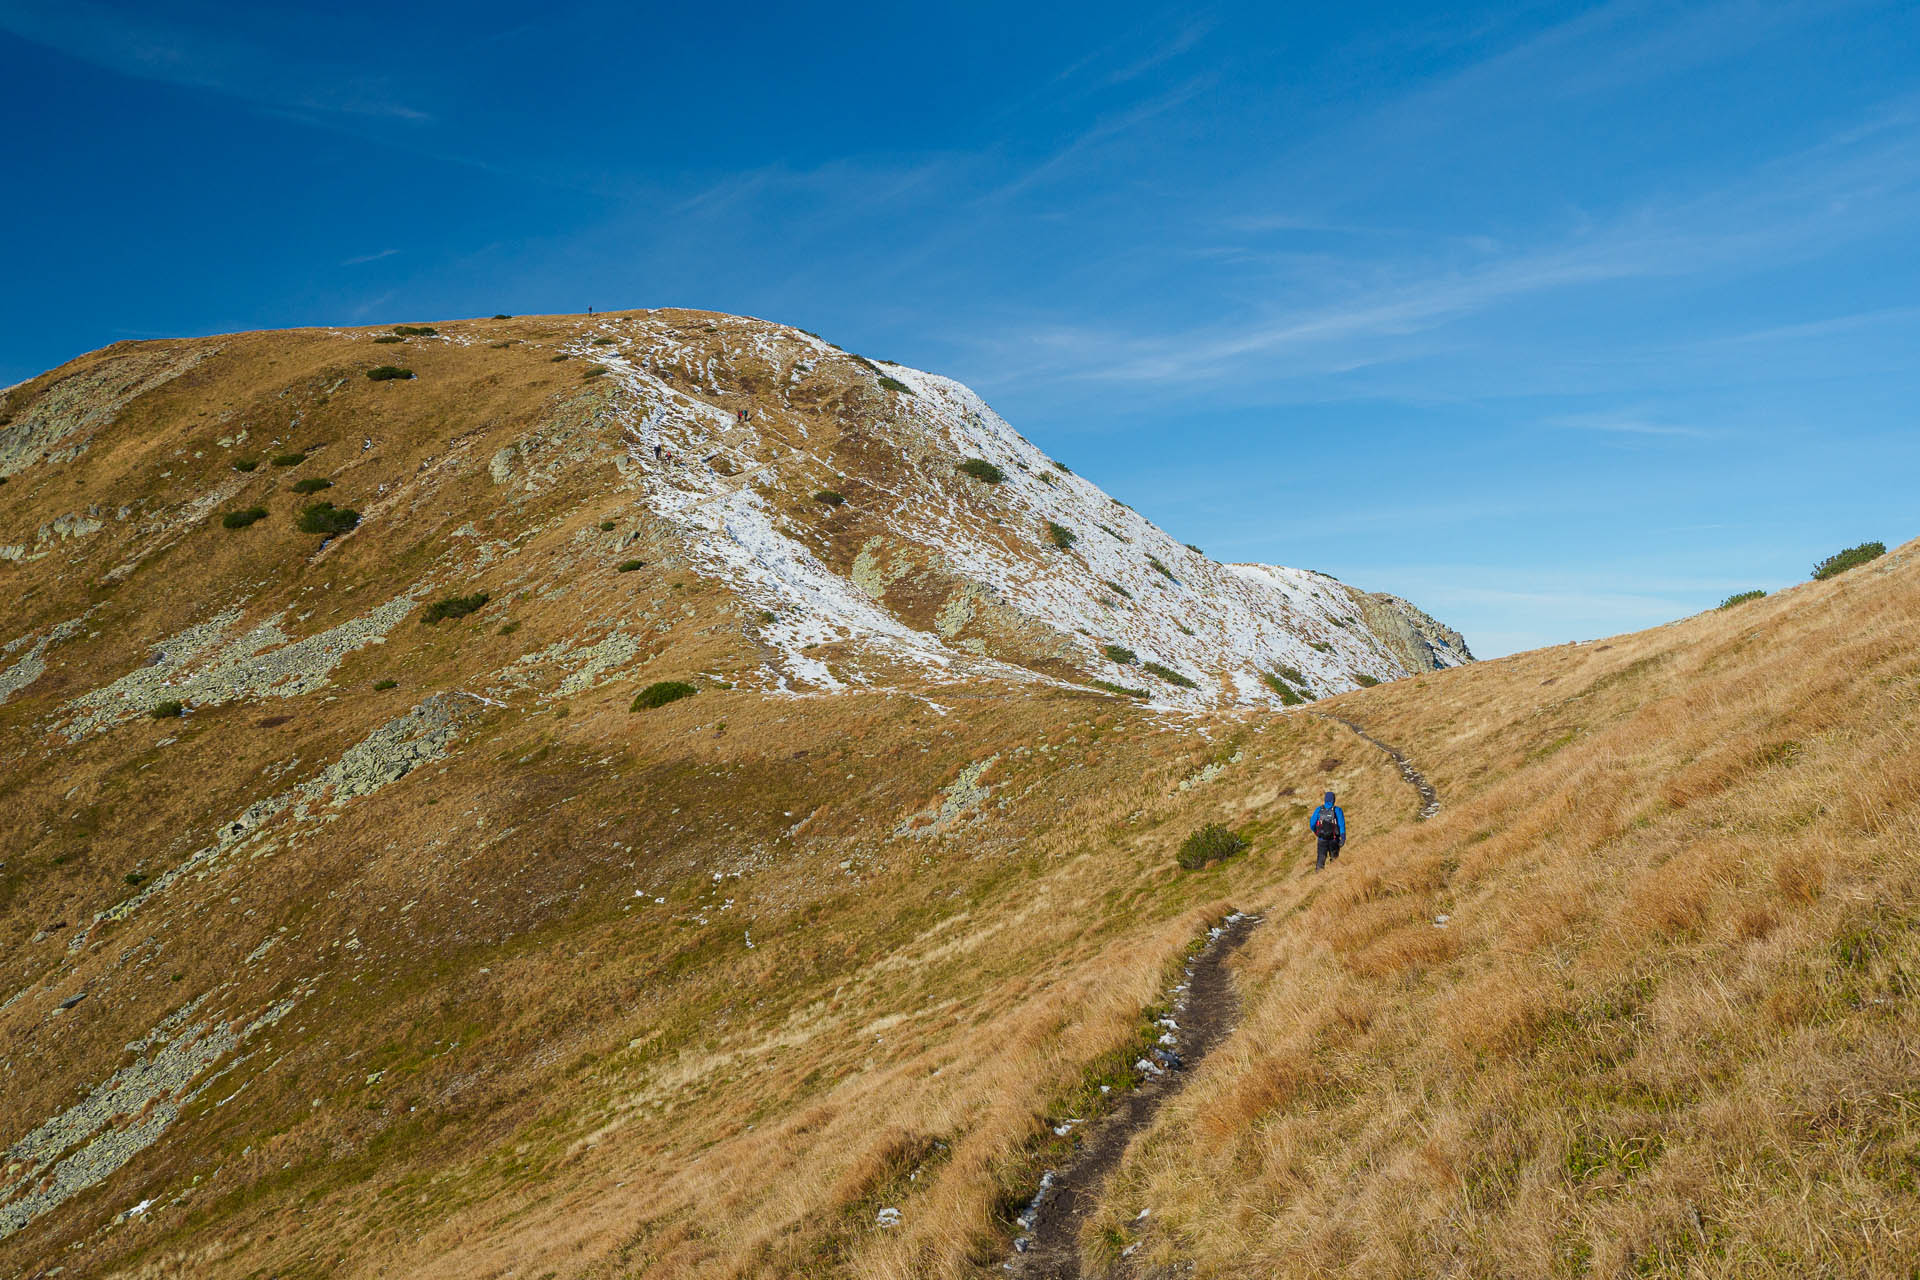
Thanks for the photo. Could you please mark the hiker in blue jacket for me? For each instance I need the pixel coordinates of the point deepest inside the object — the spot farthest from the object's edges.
(1329, 824)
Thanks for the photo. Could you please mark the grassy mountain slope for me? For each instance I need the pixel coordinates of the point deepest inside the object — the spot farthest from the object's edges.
(481, 972)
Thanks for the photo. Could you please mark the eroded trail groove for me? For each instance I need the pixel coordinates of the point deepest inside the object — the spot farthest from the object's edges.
(1429, 798)
(1204, 1012)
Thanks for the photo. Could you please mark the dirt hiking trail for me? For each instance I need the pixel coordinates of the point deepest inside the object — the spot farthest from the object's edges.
(1205, 1012)
(1429, 798)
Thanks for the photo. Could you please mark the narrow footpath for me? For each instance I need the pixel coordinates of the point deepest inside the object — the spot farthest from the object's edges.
(1205, 1012)
(1429, 798)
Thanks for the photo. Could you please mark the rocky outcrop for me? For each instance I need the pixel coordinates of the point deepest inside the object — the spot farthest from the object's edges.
(1414, 636)
(61, 421)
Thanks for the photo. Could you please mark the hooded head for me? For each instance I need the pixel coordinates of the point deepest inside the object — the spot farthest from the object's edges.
(1329, 797)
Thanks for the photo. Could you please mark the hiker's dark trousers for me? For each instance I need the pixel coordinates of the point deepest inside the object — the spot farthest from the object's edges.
(1328, 849)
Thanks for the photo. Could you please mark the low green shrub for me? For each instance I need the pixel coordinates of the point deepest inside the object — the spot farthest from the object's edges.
(415, 330)
(1289, 696)
(606, 526)
(1171, 676)
(1291, 675)
(502, 316)
(312, 484)
(508, 628)
(894, 384)
(767, 617)
(1211, 843)
(381, 686)
(453, 607)
(1117, 589)
(1741, 597)
(628, 566)
(167, 710)
(133, 877)
(1061, 536)
(593, 371)
(1064, 467)
(831, 497)
(1119, 653)
(288, 459)
(389, 337)
(324, 517)
(603, 342)
(245, 464)
(562, 356)
(661, 693)
(389, 373)
(1161, 569)
(1364, 680)
(1120, 689)
(981, 469)
(1320, 645)
(1197, 551)
(1851, 558)
(241, 519)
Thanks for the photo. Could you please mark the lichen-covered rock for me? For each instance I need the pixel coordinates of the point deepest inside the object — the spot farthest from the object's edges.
(59, 423)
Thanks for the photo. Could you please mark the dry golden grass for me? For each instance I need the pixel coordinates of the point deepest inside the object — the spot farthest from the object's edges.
(1672, 1029)
(1667, 1028)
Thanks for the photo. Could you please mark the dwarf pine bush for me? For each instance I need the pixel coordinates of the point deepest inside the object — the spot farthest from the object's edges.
(389, 373)
(981, 469)
(894, 384)
(1061, 536)
(241, 519)
(312, 484)
(1119, 653)
(324, 517)
(167, 710)
(1289, 696)
(1741, 597)
(831, 497)
(1364, 680)
(453, 607)
(289, 459)
(1211, 843)
(660, 693)
(1171, 676)
(1120, 689)
(245, 464)
(415, 330)
(628, 566)
(1852, 558)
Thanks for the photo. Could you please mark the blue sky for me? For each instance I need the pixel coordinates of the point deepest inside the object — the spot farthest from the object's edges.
(1560, 320)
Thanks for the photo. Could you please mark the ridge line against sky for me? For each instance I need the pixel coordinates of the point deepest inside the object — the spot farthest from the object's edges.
(1558, 320)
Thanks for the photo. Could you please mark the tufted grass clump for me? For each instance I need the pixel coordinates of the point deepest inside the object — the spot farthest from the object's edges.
(324, 517)
(982, 470)
(1741, 597)
(1171, 676)
(660, 693)
(832, 497)
(312, 484)
(389, 373)
(1061, 536)
(1211, 843)
(453, 607)
(1852, 558)
(241, 519)
(171, 709)
(1119, 653)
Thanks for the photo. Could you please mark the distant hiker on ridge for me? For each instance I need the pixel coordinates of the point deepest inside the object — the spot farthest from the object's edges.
(1329, 824)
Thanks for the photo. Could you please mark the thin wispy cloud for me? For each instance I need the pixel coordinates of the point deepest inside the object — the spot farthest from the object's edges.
(369, 257)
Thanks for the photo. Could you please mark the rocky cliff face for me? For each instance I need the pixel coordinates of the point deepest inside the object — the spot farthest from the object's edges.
(1415, 637)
